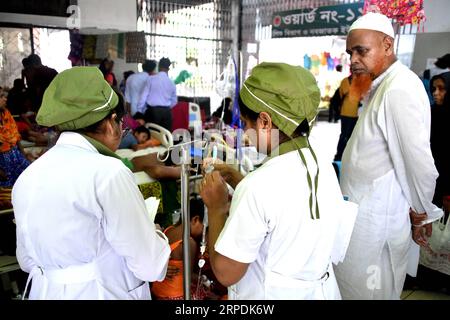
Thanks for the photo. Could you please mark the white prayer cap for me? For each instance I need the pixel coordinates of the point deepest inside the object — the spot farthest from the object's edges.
(374, 21)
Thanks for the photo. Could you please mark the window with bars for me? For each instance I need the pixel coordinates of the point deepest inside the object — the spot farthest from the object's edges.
(15, 45)
(52, 45)
(195, 35)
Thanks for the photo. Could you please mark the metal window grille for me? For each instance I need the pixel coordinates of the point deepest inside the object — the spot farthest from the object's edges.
(15, 45)
(193, 34)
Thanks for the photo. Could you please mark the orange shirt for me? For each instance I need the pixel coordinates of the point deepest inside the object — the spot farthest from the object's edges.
(349, 107)
(173, 287)
(153, 142)
(9, 134)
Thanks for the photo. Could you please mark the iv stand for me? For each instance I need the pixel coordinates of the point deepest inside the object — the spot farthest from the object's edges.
(186, 223)
(185, 178)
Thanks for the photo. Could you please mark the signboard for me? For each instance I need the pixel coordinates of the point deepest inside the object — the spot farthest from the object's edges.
(323, 21)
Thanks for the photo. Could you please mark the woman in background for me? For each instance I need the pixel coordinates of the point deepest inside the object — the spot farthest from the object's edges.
(106, 67)
(440, 120)
(13, 159)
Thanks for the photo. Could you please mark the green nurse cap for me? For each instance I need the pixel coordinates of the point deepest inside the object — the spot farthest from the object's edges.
(76, 98)
(288, 93)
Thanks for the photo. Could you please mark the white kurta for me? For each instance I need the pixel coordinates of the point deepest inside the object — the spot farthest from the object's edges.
(135, 85)
(270, 227)
(82, 228)
(387, 167)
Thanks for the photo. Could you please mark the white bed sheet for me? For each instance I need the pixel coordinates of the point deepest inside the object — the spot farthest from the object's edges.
(141, 177)
(130, 154)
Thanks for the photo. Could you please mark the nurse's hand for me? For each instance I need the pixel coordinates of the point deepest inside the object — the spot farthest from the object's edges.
(231, 176)
(214, 192)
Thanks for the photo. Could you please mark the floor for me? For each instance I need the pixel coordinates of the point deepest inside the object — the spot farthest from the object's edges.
(9, 269)
(424, 295)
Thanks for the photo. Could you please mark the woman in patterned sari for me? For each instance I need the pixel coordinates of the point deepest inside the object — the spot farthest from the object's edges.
(12, 156)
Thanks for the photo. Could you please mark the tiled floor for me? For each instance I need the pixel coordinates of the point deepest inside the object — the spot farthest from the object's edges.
(424, 295)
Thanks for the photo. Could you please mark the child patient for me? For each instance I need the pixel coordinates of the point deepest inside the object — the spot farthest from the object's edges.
(139, 139)
(171, 288)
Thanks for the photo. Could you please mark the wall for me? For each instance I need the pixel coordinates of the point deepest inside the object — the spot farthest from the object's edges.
(436, 12)
(46, 21)
(112, 15)
(106, 16)
(120, 66)
(16, 45)
(434, 42)
(96, 16)
(429, 45)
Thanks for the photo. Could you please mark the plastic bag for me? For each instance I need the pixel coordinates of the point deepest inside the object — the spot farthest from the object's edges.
(225, 85)
(437, 255)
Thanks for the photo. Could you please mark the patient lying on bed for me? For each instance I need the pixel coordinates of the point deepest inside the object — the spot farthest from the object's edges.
(138, 139)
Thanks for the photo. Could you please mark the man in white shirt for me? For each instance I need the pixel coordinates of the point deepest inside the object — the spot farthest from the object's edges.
(136, 84)
(387, 167)
(159, 97)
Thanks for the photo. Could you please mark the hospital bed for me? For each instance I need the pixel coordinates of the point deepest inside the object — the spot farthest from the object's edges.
(158, 132)
(163, 190)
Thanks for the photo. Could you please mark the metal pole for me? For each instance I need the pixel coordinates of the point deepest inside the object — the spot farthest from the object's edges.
(239, 135)
(186, 222)
(398, 32)
(31, 40)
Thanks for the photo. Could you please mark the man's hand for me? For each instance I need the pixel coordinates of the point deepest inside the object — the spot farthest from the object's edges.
(420, 232)
(417, 219)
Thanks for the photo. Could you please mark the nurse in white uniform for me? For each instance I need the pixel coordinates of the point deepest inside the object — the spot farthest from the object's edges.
(288, 222)
(82, 228)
